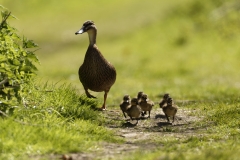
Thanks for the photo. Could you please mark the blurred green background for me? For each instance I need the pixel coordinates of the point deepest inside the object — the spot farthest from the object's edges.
(189, 48)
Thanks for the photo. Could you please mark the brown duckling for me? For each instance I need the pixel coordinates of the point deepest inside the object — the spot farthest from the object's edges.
(170, 110)
(139, 96)
(134, 110)
(163, 102)
(66, 157)
(146, 104)
(96, 73)
(126, 102)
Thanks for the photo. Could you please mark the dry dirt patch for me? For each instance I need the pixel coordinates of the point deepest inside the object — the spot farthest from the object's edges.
(140, 136)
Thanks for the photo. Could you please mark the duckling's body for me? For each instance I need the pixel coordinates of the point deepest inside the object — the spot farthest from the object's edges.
(125, 104)
(139, 97)
(146, 104)
(96, 73)
(170, 110)
(163, 102)
(134, 110)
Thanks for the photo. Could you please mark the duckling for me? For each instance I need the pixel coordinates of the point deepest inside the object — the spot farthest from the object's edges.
(125, 104)
(170, 110)
(134, 110)
(146, 104)
(96, 73)
(66, 157)
(163, 103)
(139, 96)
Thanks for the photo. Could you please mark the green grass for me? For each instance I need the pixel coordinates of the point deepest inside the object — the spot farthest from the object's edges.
(187, 48)
(216, 136)
(52, 120)
(193, 148)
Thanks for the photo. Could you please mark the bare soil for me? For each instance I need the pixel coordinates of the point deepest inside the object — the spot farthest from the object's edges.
(139, 136)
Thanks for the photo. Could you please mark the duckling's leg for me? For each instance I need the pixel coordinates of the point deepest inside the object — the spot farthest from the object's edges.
(149, 114)
(167, 117)
(104, 102)
(124, 114)
(136, 122)
(88, 94)
(131, 118)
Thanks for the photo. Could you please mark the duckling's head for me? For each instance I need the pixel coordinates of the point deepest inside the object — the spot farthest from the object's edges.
(166, 96)
(126, 98)
(134, 101)
(169, 101)
(86, 27)
(139, 95)
(144, 97)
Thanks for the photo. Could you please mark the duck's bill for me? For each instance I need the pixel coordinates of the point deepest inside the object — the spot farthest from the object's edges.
(81, 31)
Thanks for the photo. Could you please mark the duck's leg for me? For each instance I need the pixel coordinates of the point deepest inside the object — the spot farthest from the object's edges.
(88, 94)
(104, 102)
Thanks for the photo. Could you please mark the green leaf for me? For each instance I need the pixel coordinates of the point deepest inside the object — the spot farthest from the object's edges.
(33, 57)
(2, 58)
(29, 44)
(2, 70)
(16, 62)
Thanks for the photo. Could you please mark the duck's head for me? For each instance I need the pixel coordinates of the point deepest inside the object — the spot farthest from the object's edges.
(126, 98)
(86, 27)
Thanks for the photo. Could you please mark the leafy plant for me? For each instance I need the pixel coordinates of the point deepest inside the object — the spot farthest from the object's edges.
(17, 63)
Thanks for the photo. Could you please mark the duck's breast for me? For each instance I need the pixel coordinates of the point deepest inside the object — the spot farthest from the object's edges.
(96, 73)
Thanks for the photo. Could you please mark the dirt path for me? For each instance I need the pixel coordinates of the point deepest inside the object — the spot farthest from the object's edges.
(140, 136)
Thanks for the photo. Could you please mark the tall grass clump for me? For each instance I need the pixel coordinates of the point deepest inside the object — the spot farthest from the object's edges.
(60, 100)
(52, 120)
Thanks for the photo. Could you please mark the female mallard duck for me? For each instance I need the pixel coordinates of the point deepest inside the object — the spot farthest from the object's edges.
(96, 73)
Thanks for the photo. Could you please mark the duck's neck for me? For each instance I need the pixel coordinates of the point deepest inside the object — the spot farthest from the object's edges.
(92, 35)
